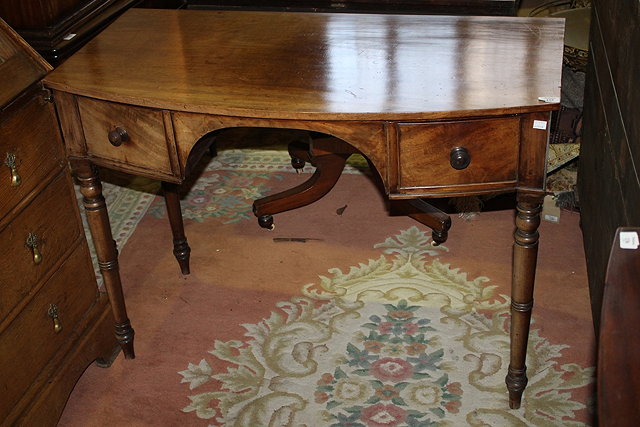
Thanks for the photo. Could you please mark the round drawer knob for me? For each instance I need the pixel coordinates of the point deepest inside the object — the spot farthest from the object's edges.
(117, 136)
(459, 158)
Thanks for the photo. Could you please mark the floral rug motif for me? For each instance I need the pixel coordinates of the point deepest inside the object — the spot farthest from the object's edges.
(228, 195)
(402, 340)
(234, 179)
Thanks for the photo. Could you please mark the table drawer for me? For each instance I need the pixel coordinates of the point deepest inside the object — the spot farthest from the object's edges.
(52, 218)
(131, 136)
(30, 149)
(31, 341)
(458, 153)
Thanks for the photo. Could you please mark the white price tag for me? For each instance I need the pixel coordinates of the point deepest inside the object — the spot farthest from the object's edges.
(629, 240)
(551, 99)
(540, 124)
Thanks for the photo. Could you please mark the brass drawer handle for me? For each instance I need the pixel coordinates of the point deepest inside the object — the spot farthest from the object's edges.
(117, 136)
(32, 243)
(11, 162)
(53, 313)
(459, 158)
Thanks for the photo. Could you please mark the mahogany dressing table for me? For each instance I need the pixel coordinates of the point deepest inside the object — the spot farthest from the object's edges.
(440, 106)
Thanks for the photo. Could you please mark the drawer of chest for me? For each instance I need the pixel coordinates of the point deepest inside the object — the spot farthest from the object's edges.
(127, 135)
(49, 321)
(36, 239)
(447, 154)
(30, 149)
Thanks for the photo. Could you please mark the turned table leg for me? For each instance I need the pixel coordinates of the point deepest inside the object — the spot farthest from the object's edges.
(106, 251)
(181, 249)
(525, 254)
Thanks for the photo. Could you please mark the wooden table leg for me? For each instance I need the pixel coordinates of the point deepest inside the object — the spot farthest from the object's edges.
(106, 251)
(329, 155)
(181, 249)
(525, 254)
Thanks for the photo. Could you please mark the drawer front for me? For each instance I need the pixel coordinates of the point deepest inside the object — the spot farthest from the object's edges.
(51, 217)
(435, 154)
(31, 341)
(138, 134)
(30, 150)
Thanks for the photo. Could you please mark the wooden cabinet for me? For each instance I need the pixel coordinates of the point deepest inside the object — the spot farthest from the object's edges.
(608, 175)
(53, 319)
(56, 28)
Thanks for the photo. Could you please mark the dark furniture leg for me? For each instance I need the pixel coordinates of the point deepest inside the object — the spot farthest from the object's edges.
(106, 251)
(299, 151)
(525, 254)
(329, 156)
(427, 214)
(181, 249)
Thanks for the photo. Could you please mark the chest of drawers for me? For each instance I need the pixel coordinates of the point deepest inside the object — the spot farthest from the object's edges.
(53, 319)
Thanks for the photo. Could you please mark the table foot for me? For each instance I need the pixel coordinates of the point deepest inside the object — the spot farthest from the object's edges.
(266, 221)
(182, 253)
(181, 249)
(124, 335)
(300, 154)
(516, 383)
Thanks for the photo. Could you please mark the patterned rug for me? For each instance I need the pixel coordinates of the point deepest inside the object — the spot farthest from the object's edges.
(402, 340)
(367, 324)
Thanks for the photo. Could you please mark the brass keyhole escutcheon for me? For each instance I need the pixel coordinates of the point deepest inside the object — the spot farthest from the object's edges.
(53, 313)
(11, 162)
(32, 243)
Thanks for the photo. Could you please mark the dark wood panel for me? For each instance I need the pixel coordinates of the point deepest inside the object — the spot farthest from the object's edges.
(620, 26)
(163, 4)
(58, 28)
(608, 184)
(599, 191)
(618, 376)
(39, 13)
(452, 7)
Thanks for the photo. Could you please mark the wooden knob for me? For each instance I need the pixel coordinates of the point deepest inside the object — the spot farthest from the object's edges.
(117, 136)
(459, 158)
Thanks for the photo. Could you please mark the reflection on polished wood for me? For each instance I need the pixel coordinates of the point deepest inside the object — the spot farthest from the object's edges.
(295, 66)
(439, 105)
